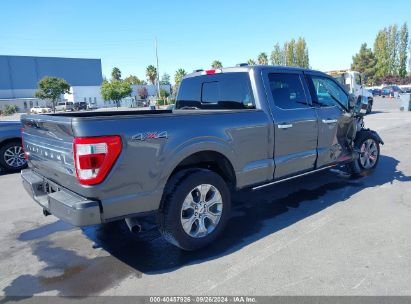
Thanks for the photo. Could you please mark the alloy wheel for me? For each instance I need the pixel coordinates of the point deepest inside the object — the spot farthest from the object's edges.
(14, 157)
(201, 211)
(368, 153)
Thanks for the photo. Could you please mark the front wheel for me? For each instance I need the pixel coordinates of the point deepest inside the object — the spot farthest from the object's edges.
(368, 148)
(195, 208)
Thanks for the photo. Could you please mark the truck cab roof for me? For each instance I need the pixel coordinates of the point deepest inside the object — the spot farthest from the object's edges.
(247, 68)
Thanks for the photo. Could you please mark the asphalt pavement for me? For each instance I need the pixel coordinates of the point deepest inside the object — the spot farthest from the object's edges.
(324, 234)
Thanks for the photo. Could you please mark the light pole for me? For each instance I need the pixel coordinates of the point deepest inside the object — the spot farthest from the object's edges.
(158, 71)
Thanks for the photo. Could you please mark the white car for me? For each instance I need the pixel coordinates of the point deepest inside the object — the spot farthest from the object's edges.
(40, 110)
(65, 106)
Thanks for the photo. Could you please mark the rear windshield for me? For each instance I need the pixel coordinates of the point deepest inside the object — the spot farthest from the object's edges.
(218, 91)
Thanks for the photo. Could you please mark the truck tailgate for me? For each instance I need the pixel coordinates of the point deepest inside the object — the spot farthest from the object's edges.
(48, 140)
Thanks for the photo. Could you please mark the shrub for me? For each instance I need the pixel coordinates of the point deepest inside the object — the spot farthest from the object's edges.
(164, 93)
(10, 109)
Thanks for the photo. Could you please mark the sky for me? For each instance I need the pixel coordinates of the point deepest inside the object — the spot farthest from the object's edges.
(191, 34)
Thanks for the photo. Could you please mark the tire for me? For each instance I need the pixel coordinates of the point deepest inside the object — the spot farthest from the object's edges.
(368, 146)
(182, 189)
(8, 161)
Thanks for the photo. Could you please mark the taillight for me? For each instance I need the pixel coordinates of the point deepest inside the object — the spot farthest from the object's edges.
(94, 157)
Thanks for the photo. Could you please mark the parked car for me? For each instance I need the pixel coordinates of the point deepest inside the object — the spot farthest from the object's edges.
(92, 106)
(376, 92)
(65, 106)
(12, 157)
(236, 128)
(40, 110)
(406, 90)
(80, 106)
(391, 91)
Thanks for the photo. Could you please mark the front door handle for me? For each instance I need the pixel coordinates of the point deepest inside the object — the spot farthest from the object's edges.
(329, 121)
(285, 126)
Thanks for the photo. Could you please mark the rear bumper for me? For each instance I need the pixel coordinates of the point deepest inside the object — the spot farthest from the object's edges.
(62, 203)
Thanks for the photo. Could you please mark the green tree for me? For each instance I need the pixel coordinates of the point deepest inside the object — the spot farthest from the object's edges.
(262, 59)
(164, 93)
(180, 73)
(403, 50)
(115, 90)
(301, 54)
(251, 62)
(132, 79)
(151, 73)
(165, 79)
(409, 62)
(382, 54)
(289, 50)
(365, 62)
(52, 88)
(116, 74)
(277, 55)
(392, 42)
(216, 64)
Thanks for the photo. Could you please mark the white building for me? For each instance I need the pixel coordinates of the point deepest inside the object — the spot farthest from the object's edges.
(89, 94)
(24, 104)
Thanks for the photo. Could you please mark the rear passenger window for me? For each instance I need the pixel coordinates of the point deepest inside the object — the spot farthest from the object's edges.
(287, 91)
(218, 91)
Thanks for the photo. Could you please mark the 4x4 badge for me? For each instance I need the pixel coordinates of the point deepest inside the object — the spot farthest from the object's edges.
(149, 135)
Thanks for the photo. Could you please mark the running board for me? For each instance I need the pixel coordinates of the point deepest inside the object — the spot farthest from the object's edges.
(292, 177)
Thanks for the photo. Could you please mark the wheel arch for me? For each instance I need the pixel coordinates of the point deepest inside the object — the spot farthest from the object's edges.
(9, 140)
(208, 159)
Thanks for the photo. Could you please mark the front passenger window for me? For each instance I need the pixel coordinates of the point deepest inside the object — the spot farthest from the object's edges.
(329, 93)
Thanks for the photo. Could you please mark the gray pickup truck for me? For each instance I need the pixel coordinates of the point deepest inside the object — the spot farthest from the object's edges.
(232, 128)
(11, 150)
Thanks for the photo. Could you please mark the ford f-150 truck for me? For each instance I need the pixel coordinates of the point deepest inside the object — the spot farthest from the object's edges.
(232, 128)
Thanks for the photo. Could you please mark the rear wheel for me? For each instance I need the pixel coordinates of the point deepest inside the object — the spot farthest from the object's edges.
(12, 157)
(368, 148)
(195, 208)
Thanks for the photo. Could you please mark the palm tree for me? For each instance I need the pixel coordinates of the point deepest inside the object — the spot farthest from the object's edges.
(262, 59)
(151, 73)
(180, 73)
(251, 62)
(216, 64)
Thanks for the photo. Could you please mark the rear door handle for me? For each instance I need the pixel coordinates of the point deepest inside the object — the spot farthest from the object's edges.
(329, 121)
(285, 126)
